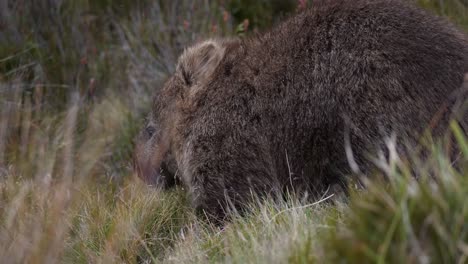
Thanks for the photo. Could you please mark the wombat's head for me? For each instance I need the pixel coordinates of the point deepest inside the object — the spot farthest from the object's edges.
(154, 161)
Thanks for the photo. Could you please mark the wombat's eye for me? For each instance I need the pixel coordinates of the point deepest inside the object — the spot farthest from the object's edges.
(150, 130)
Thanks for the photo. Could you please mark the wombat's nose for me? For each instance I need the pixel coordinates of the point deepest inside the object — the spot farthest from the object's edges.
(151, 176)
(147, 173)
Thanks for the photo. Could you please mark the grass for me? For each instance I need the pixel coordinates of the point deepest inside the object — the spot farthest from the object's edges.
(76, 78)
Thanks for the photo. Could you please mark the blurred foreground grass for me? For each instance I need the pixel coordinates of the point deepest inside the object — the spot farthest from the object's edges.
(76, 78)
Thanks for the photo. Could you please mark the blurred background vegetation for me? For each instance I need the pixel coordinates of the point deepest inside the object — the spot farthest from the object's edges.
(76, 78)
(93, 48)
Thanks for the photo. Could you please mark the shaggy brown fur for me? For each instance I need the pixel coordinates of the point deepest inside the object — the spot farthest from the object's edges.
(270, 113)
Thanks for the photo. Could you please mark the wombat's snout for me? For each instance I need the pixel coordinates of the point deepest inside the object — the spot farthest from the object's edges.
(152, 174)
(147, 173)
(149, 162)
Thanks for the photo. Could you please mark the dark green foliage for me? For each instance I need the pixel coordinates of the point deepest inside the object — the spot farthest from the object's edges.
(456, 10)
(260, 14)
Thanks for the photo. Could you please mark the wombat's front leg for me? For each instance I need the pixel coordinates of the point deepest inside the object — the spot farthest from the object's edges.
(226, 177)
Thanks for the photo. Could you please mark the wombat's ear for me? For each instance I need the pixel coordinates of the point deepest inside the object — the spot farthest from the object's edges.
(198, 63)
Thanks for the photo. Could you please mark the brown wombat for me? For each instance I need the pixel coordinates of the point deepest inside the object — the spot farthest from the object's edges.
(243, 118)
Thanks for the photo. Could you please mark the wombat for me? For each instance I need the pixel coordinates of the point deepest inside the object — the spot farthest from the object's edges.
(256, 117)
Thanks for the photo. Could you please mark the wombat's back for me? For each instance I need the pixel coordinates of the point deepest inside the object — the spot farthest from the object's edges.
(373, 68)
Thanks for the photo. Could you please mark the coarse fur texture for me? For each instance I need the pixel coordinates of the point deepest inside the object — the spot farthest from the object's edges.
(255, 117)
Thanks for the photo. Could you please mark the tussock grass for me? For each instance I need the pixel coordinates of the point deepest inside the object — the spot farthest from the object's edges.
(397, 220)
(405, 220)
(88, 223)
(75, 80)
(273, 233)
